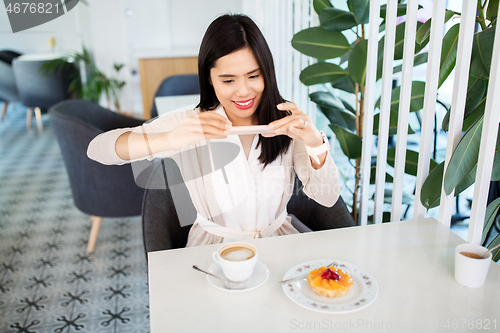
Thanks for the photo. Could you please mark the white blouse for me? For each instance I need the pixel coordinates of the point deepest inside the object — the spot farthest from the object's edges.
(245, 202)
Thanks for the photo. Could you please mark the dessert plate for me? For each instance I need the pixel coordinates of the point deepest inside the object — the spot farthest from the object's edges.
(242, 130)
(363, 292)
(258, 278)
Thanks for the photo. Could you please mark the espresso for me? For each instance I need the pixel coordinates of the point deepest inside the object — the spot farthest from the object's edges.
(237, 253)
(471, 255)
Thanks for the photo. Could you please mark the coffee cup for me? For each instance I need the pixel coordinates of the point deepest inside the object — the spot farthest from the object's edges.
(470, 268)
(237, 260)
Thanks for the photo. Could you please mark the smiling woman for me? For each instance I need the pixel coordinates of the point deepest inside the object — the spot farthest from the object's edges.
(247, 197)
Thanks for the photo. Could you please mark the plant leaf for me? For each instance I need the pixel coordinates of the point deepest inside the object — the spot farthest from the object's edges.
(323, 98)
(381, 27)
(448, 53)
(496, 253)
(334, 19)
(334, 110)
(411, 164)
(425, 30)
(349, 142)
(357, 62)
(489, 218)
(319, 5)
(360, 9)
(475, 96)
(464, 157)
(400, 37)
(346, 55)
(492, 11)
(393, 124)
(320, 43)
(482, 49)
(346, 84)
(348, 106)
(373, 172)
(419, 59)
(398, 49)
(322, 72)
(400, 11)
(470, 178)
(416, 101)
(340, 118)
(430, 194)
(474, 116)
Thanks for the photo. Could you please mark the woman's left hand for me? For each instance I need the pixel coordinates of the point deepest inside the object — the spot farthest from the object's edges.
(297, 126)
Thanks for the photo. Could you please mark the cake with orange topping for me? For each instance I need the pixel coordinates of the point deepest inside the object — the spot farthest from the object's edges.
(329, 281)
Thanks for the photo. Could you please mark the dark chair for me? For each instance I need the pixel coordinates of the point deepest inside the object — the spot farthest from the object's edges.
(98, 190)
(160, 221)
(38, 91)
(8, 88)
(177, 85)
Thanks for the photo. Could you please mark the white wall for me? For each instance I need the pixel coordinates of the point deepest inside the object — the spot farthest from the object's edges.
(35, 40)
(115, 29)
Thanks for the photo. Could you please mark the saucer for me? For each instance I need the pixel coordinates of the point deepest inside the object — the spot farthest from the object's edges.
(363, 292)
(258, 278)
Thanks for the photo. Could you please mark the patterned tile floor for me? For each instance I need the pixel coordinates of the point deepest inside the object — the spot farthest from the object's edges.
(48, 283)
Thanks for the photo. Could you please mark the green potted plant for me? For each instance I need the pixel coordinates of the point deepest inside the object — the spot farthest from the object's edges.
(95, 83)
(461, 171)
(330, 41)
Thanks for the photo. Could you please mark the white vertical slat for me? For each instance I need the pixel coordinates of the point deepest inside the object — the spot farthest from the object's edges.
(368, 106)
(430, 95)
(313, 108)
(385, 108)
(304, 97)
(279, 61)
(459, 93)
(404, 108)
(276, 22)
(487, 149)
(289, 77)
(296, 54)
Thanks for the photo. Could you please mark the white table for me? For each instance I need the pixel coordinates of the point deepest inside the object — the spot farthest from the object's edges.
(176, 103)
(412, 261)
(40, 56)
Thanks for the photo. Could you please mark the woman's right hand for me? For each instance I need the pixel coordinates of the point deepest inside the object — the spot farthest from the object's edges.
(196, 127)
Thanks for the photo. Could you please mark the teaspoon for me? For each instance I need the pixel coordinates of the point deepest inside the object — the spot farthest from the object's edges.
(227, 283)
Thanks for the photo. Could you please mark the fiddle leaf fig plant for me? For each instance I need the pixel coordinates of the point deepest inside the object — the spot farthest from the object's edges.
(461, 171)
(95, 83)
(340, 46)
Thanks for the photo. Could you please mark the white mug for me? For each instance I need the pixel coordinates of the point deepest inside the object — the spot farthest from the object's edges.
(237, 260)
(471, 272)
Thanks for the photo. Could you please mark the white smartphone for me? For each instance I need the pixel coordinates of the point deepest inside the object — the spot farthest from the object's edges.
(242, 130)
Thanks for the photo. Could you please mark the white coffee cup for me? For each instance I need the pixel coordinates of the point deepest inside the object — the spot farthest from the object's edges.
(471, 272)
(237, 260)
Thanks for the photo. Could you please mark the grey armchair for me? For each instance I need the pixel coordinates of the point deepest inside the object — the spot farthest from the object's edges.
(98, 190)
(160, 220)
(177, 85)
(40, 92)
(8, 88)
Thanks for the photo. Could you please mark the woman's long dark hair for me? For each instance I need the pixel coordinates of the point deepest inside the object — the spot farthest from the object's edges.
(225, 35)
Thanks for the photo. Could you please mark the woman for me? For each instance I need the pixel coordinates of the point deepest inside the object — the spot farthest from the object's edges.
(248, 197)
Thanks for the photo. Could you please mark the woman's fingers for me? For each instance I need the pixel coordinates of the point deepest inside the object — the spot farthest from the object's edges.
(212, 125)
(282, 125)
(214, 119)
(289, 106)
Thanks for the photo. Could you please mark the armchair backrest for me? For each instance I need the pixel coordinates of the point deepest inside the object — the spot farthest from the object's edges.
(101, 190)
(177, 85)
(37, 90)
(8, 88)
